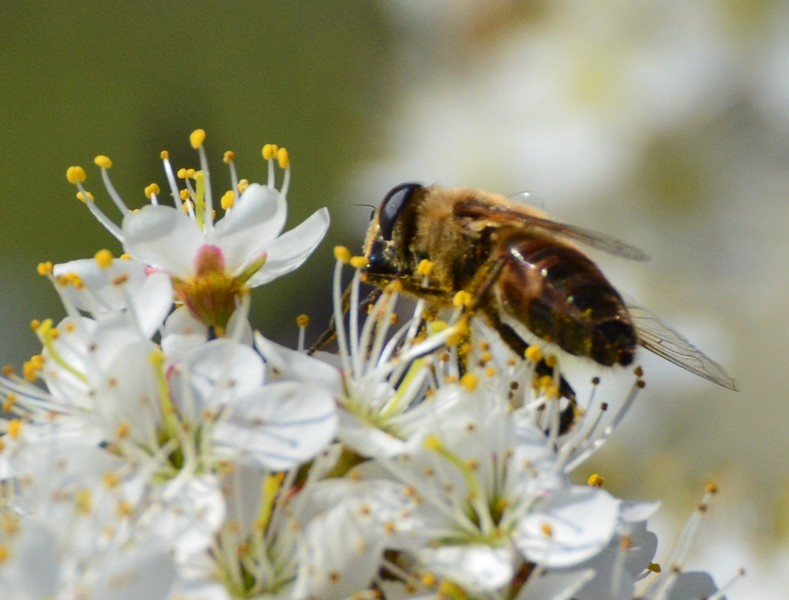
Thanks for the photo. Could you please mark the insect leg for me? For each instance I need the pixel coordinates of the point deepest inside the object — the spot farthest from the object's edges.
(331, 332)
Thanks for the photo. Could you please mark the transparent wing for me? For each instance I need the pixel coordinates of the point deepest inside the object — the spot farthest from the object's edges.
(504, 216)
(657, 337)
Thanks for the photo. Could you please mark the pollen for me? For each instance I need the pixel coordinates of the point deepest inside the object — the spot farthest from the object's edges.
(595, 480)
(469, 381)
(303, 321)
(164, 155)
(269, 151)
(75, 174)
(462, 298)
(152, 190)
(14, 428)
(102, 161)
(103, 258)
(283, 160)
(44, 268)
(533, 354)
(229, 156)
(342, 254)
(228, 200)
(196, 138)
(546, 529)
(425, 268)
(84, 197)
(359, 262)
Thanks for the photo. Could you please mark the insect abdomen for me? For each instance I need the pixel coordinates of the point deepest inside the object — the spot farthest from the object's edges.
(563, 298)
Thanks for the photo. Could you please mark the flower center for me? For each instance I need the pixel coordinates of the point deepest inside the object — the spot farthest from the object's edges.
(211, 294)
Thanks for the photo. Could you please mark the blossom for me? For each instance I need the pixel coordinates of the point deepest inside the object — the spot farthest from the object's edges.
(212, 263)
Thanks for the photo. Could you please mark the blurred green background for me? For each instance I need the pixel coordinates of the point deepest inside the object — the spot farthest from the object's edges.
(664, 123)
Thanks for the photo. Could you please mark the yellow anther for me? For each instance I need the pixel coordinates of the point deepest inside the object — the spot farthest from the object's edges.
(110, 479)
(551, 360)
(120, 279)
(14, 428)
(164, 155)
(196, 138)
(303, 321)
(152, 190)
(490, 372)
(4, 553)
(229, 156)
(184, 194)
(425, 268)
(533, 354)
(228, 200)
(102, 161)
(182, 173)
(44, 268)
(359, 262)
(654, 567)
(626, 542)
(432, 442)
(469, 381)
(551, 392)
(595, 480)
(342, 254)
(546, 529)
(711, 488)
(269, 151)
(103, 258)
(84, 501)
(437, 326)
(122, 430)
(429, 579)
(125, 256)
(462, 298)
(86, 197)
(75, 174)
(9, 401)
(283, 160)
(242, 185)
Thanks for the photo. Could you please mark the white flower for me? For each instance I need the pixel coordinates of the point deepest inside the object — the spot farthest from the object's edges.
(213, 264)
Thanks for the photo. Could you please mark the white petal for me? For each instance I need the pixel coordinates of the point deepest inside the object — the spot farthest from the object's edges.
(32, 567)
(568, 528)
(164, 237)
(479, 568)
(555, 585)
(291, 249)
(280, 425)
(340, 554)
(256, 219)
(297, 366)
(146, 572)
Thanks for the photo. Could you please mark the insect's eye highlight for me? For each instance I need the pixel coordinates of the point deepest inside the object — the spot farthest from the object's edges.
(393, 205)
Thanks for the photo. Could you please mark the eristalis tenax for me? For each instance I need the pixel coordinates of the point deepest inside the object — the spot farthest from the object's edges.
(525, 273)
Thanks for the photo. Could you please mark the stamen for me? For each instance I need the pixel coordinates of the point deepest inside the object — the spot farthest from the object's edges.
(104, 163)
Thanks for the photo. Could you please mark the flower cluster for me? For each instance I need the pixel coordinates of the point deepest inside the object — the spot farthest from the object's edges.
(161, 448)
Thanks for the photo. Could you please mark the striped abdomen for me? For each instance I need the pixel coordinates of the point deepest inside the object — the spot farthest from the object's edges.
(562, 297)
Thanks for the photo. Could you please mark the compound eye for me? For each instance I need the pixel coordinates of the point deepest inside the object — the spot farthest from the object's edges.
(393, 205)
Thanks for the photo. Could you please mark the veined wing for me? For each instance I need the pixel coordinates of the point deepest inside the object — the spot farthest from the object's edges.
(657, 337)
(502, 215)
